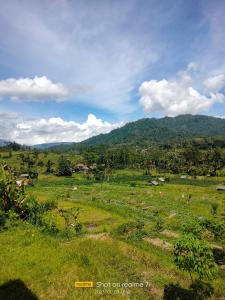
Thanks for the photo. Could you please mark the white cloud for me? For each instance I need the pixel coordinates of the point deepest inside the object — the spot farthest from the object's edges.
(45, 130)
(36, 89)
(215, 83)
(173, 98)
(94, 48)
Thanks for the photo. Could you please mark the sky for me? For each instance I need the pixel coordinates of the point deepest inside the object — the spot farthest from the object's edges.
(70, 70)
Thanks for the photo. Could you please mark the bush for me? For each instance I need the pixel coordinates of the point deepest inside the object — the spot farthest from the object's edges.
(194, 256)
(193, 227)
(64, 167)
(131, 230)
(2, 219)
(13, 217)
(216, 226)
(49, 228)
(78, 228)
(214, 208)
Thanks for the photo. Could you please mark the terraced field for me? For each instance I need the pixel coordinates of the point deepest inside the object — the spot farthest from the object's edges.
(48, 265)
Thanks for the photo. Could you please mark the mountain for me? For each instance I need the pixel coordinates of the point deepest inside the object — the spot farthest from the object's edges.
(3, 142)
(151, 130)
(164, 130)
(50, 145)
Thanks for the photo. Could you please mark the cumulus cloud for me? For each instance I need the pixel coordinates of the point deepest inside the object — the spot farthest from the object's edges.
(36, 89)
(173, 98)
(36, 131)
(215, 83)
(101, 60)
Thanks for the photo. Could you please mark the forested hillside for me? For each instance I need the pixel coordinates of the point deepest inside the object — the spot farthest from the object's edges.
(165, 129)
(168, 130)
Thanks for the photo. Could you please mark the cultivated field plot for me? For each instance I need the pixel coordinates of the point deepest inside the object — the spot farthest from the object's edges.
(109, 247)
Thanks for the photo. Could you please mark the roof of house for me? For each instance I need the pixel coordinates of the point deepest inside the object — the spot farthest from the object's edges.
(220, 187)
(154, 182)
(161, 179)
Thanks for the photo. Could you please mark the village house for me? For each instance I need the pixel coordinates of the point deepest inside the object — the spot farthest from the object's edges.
(80, 168)
(220, 188)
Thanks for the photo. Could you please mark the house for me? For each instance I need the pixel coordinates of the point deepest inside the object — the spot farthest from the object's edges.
(19, 182)
(80, 168)
(161, 179)
(220, 188)
(154, 182)
(23, 181)
(27, 176)
(93, 167)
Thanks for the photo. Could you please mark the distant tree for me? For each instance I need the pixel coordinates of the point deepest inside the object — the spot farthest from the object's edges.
(49, 165)
(36, 154)
(99, 173)
(64, 167)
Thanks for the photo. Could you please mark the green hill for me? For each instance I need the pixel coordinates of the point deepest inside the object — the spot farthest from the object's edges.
(168, 129)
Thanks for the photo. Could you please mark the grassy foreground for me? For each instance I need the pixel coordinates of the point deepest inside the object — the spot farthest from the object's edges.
(48, 265)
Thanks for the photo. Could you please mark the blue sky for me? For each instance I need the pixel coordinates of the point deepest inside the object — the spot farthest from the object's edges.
(73, 69)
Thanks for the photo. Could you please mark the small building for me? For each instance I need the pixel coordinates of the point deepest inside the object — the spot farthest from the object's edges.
(220, 188)
(80, 168)
(19, 182)
(23, 181)
(93, 167)
(24, 176)
(161, 179)
(183, 177)
(154, 182)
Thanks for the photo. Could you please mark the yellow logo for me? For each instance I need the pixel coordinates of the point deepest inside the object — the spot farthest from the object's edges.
(84, 284)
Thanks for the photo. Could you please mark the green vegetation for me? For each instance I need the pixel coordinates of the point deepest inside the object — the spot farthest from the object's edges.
(103, 220)
(195, 255)
(201, 131)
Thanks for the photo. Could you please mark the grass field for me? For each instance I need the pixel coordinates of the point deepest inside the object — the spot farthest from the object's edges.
(37, 264)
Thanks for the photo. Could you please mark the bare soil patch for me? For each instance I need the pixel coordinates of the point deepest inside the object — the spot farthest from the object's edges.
(159, 243)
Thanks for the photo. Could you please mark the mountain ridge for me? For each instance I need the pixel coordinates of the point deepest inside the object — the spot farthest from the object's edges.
(149, 130)
(163, 130)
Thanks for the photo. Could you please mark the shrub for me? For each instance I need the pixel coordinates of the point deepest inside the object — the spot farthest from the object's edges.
(193, 227)
(131, 230)
(49, 228)
(2, 219)
(214, 208)
(13, 217)
(64, 167)
(78, 228)
(194, 255)
(216, 226)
